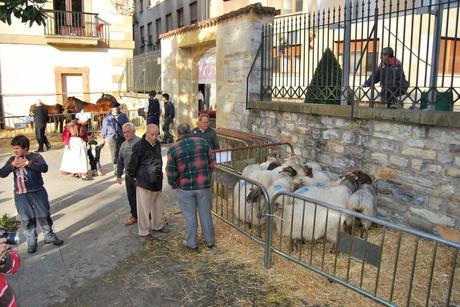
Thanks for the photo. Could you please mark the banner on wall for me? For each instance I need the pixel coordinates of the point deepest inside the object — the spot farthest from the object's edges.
(207, 67)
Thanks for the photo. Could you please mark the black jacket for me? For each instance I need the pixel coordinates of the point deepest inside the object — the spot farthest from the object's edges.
(146, 165)
(209, 135)
(94, 160)
(391, 78)
(170, 111)
(40, 116)
(154, 107)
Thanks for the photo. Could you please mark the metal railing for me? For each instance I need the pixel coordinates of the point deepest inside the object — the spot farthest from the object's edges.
(325, 56)
(392, 264)
(238, 158)
(77, 24)
(143, 72)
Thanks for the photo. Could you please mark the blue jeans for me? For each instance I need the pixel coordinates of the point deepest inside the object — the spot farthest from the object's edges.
(33, 208)
(190, 201)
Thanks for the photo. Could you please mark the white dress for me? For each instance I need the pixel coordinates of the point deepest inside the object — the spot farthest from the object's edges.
(75, 159)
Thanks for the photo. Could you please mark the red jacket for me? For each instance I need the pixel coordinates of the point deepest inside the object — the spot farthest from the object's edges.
(74, 129)
(10, 267)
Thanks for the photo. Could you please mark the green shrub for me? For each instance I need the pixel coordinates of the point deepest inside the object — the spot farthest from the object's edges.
(326, 85)
(9, 223)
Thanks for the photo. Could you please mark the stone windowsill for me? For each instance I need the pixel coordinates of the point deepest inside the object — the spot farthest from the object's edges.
(441, 119)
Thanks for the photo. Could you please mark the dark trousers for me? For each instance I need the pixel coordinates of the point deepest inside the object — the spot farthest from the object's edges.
(41, 137)
(33, 208)
(153, 119)
(131, 191)
(168, 135)
(114, 145)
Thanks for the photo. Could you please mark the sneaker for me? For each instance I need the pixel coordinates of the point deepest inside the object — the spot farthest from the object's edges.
(31, 249)
(210, 246)
(56, 241)
(149, 238)
(48, 146)
(39, 150)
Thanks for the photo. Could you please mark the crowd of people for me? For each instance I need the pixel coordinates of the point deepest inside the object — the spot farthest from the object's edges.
(190, 161)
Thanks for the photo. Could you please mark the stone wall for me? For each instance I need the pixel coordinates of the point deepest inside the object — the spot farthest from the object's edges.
(417, 167)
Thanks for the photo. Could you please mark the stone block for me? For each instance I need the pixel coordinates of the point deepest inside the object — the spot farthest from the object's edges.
(379, 157)
(327, 121)
(348, 137)
(419, 153)
(399, 161)
(433, 217)
(420, 132)
(391, 204)
(400, 192)
(301, 131)
(342, 123)
(416, 143)
(285, 137)
(418, 223)
(273, 132)
(330, 134)
(388, 136)
(435, 203)
(445, 157)
(334, 147)
(453, 172)
(432, 168)
(457, 161)
(416, 164)
(316, 133)
(383, 126)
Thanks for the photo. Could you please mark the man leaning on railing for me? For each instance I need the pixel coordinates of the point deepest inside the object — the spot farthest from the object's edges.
(391, 76)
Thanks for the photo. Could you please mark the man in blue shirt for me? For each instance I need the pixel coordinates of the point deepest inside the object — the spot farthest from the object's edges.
(112, 131)
(169, 118)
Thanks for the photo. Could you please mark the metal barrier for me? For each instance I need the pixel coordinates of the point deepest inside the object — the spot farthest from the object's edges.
(238, 158)
(232, 205)
(392, 264)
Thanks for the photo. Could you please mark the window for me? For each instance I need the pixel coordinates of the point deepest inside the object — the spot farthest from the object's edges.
(149, 33)
(450, 47)
(287, 59)
(169, 23)
(158, 28)
(193, 12)
(142, 36)
(299, 5)
(141, 6)
(180, 18)
(367, 64)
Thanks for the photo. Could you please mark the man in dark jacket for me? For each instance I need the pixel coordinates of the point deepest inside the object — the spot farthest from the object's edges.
(153, 109)
(169, 118)
(40, 121)
(145, 167)
(391, 76)
(204, 131)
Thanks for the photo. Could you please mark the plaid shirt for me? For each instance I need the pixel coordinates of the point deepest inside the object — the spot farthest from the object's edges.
(189, 165)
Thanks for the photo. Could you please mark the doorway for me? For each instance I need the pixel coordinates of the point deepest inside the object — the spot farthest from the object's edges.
(207, 84)
(72, 85)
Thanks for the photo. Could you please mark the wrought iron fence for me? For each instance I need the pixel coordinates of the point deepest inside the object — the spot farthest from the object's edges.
(334, 55)
(78, 24)
(143, 72)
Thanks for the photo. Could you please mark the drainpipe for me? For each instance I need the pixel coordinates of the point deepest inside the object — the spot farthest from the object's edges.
(438, 12)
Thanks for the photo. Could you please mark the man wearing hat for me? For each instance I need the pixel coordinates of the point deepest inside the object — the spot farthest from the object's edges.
(40, 121)
(112, 131)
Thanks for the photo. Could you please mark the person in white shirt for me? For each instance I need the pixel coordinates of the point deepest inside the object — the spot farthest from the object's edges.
(200, 101)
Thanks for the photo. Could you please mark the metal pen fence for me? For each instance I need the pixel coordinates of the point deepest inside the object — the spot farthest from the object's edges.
(326, 56)
(392, 264)
(389, 263)
(143, 72)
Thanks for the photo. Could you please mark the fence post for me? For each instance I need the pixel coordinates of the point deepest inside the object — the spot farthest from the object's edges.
(268, 235)
(346, 53)
(438, 12)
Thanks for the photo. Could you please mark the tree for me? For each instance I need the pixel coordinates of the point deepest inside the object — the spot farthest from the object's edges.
(26, 10)
(325, 86)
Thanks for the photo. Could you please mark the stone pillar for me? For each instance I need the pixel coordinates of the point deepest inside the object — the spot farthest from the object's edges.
(236, 47)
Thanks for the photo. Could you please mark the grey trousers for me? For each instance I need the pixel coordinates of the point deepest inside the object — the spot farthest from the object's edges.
(190, 201)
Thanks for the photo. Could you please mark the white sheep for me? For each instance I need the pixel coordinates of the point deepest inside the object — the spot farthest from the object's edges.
(364, 201)
(248, 204)
(291, 214)
(271, 163)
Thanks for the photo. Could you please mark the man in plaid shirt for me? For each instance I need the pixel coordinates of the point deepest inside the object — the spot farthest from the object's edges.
(189, 165)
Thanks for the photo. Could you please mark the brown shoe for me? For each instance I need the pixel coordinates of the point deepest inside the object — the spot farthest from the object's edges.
(149, 237)
(131, 221)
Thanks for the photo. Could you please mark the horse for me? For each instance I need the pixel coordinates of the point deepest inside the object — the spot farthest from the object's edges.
(75, 105)
(106, 96)
(55, 115)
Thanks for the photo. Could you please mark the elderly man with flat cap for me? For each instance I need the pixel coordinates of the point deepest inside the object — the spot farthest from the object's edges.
(40, 121)
(112, 131)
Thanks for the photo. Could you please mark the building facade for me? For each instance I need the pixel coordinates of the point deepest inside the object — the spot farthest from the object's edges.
(81, 52)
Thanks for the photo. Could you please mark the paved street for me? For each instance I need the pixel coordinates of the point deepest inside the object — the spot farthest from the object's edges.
(104, 263)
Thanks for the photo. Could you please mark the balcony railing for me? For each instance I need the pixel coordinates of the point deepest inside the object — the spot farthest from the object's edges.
(76, 24)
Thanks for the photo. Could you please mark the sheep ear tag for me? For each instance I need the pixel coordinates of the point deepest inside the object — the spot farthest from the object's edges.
(278, 187)
(320, 185)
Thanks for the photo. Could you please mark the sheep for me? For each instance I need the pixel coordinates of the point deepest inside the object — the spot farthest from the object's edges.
(291, 213)
(364, 201)
(284, 184)
(271, 163)
(248, 205)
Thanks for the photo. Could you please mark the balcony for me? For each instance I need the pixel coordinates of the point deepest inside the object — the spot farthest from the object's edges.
(76, 28)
